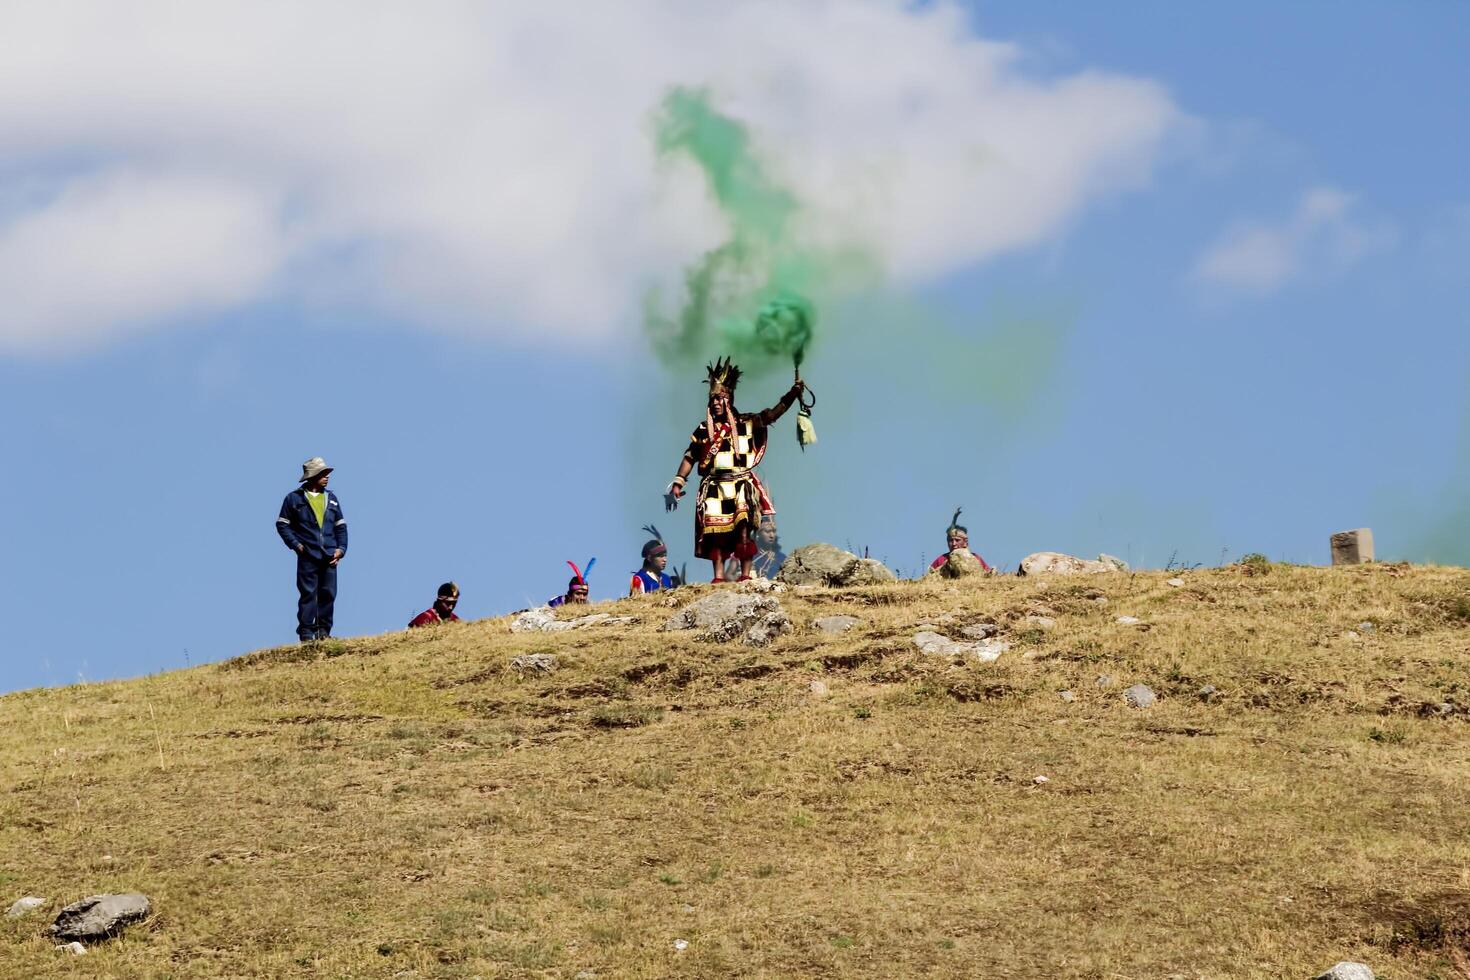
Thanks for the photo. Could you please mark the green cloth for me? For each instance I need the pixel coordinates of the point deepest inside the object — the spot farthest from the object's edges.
(318, 503)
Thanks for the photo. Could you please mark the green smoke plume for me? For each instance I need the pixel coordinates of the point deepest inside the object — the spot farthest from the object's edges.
(752, 296)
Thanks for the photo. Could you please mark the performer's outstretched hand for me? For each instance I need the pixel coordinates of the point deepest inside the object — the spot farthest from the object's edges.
(672, 495)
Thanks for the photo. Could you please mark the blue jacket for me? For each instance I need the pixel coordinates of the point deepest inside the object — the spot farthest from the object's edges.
(297, 525)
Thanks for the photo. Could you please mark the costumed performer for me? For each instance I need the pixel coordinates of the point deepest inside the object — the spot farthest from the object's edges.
(726, 448)
(651, 577)
(958, 539)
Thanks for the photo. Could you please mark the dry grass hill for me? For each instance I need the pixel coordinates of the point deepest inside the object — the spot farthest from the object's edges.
(410, 805)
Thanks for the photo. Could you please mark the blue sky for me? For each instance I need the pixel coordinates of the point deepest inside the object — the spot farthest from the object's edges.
(1249, 340)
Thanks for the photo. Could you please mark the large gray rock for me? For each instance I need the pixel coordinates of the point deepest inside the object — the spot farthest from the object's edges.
(868, 571)
(99, 916)
(724, 616)
(816, 564)
(1347, 970)
(1056, 563)
(824, 564)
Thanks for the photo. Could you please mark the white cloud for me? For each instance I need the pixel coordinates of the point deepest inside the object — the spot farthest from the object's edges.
(1321, 234)
(121, 251)
(489, 166)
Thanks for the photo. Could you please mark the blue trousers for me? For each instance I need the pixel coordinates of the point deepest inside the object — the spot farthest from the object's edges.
(316, 583)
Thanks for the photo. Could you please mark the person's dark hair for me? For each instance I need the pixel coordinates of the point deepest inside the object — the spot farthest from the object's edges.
(576, 581)
(448, 591)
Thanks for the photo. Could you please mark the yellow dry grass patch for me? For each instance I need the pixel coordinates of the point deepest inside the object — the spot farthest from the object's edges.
(410, 806)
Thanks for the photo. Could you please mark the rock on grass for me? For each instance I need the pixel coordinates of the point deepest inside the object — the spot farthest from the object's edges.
(99, 916)
(722, 617)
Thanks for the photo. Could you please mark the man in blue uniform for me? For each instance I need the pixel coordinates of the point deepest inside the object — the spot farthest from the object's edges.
(312, 525)
(652, 577)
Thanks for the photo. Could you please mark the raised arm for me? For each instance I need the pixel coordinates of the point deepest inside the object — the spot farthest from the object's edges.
(779, 409)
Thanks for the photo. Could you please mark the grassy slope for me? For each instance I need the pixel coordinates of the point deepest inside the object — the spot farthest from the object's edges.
(410, 806)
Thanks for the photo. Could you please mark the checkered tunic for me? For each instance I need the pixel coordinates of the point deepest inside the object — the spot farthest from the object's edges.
(730, 492)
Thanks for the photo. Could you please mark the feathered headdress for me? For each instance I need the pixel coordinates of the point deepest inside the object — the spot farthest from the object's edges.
(954, 522)
(654, 545)
(722, 376)
(578, 575)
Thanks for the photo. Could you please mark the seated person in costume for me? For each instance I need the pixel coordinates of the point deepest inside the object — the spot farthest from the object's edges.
(576, 593)
(442, 611)
(651, 577)
(958, 539)
(770, 558)
(726, 448)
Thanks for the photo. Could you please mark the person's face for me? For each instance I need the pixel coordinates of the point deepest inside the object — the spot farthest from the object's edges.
(766, 536)
(719, 404)
(446, 603)
(578, 595)
(959, 539)
(319, 482)
(659, 562)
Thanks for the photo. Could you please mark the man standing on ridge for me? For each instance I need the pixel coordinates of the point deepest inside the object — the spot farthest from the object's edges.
(312, 525)
(726, 448)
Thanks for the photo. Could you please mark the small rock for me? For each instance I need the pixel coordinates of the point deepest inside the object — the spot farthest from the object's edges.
(681, 944)
(534, 663)
(585, 975)
(74, 948)
(1347, 970)
(22, 906)
(819, 689)
(1101, 600)
(1445, 708)
(1045, 622)
(937, 644)
(538, 620)
(1352, 637)
(1040, 780)
(1129, 620)
(835, 624)
(761, 585)
(1117, 563)
(1104, 680)
(979, 631)
(1367, 628)
(989, 651)
(945, 619)
(100, 916)
(1067, 696)
(1139, 696)
(868, 571)
(1176, 582)
(1208, 692)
